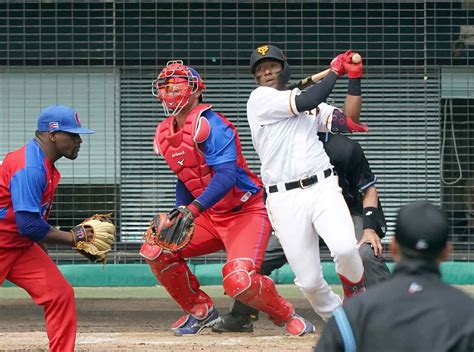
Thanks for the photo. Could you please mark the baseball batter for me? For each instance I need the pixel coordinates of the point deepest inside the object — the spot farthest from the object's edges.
(304, 199)
(225, 199)
(358, 188)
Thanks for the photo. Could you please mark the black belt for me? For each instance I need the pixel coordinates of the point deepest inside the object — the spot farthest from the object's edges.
(303, 183)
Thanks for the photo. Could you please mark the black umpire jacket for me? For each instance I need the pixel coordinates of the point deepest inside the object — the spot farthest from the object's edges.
(354, 173)
(414, 311)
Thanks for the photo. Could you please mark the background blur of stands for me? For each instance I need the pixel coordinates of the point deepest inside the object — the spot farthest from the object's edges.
(418, 94)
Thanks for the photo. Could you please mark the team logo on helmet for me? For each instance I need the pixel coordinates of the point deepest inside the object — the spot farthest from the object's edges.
(262, 50)
(268, 51)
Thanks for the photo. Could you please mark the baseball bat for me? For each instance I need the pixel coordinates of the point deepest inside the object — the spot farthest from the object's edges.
(305, 82)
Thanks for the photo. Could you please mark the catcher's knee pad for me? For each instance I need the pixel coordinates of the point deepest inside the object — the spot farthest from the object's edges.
(174, 275)
(237, 276)
(258, 291)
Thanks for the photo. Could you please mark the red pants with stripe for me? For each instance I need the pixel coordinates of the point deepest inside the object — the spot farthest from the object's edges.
(243, 234)
(33, 270)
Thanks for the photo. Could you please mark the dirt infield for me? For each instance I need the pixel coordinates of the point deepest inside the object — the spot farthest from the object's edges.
(142, 325)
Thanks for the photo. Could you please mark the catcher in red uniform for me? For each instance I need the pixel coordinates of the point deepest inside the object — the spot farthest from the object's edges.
(219, 205)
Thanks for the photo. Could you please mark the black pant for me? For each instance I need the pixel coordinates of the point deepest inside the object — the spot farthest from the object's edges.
(375, 269)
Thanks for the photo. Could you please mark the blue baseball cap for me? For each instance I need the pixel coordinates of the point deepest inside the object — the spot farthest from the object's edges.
(61, 118)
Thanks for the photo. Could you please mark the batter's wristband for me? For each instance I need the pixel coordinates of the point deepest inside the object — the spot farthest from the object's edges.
(354, 87)
(370, 215)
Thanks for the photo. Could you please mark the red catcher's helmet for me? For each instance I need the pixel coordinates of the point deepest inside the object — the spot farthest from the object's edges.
(175, 84)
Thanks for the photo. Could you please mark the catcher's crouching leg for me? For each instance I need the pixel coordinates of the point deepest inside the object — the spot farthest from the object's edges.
(242, 282)
(174, 275)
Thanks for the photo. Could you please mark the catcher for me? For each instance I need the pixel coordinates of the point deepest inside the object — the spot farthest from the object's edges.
(28, 179)
(219, 205)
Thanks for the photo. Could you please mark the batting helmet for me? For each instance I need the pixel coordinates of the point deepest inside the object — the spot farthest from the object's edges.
(175, 84)
(268, 51)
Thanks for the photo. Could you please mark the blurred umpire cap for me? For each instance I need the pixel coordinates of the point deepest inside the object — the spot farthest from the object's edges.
(421, 230)
(268, 51)
(60, 118)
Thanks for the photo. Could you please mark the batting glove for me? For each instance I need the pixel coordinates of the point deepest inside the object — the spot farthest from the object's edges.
(337, 64)
(353, 70)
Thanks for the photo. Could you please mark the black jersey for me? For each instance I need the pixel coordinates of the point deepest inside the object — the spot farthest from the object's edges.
(413, 311)
(353, 170)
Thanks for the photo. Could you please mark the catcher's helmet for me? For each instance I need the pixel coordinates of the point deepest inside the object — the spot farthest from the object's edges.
(268, 51)
(175, 84)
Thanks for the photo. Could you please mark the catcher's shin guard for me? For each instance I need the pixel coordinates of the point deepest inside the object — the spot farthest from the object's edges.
(174, 275)
(352, 288)
(258, 291)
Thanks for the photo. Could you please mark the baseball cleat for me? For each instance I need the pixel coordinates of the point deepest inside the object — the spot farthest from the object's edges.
(299, 326)
(189, 325)
(233, 323)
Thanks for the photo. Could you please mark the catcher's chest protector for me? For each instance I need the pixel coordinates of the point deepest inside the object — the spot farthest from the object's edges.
(182, 153)
(184, 156)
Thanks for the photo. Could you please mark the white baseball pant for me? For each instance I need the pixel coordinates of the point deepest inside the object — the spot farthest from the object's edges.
(298, 216)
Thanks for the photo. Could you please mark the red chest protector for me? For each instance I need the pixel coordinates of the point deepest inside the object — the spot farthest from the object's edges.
(184, 156)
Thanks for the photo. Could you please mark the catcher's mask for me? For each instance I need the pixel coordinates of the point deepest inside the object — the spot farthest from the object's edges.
(175, 84)
(268, 51)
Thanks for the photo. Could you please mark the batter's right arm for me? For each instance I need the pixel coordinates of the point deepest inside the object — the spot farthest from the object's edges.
(318, 93)
(353, 102)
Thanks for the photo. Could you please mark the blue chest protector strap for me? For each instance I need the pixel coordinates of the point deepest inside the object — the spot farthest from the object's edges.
(345, 330)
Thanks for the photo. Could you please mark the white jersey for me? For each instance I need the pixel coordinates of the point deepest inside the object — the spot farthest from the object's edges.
(285, 139)
(289, 149)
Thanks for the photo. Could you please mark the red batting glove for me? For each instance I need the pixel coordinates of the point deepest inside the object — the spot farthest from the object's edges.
(337, 64)
(353, 70)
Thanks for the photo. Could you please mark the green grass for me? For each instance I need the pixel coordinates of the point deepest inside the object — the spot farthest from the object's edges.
(288, 291)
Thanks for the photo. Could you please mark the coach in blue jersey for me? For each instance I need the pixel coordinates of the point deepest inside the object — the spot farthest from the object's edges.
(28, 180)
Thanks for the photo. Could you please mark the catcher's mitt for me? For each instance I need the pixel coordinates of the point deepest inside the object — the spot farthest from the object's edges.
(172, 231)
(93, 238)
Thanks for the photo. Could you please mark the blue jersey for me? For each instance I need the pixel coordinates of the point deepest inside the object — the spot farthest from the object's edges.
(220, 147)
(28, 181)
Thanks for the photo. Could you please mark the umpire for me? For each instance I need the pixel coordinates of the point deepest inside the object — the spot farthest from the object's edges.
(358, 187)
(415, 310)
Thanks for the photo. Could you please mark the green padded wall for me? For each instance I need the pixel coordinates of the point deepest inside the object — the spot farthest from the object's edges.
(114, 275)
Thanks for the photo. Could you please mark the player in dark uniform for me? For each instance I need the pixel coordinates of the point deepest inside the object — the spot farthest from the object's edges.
(358, 185)
(415, 310)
